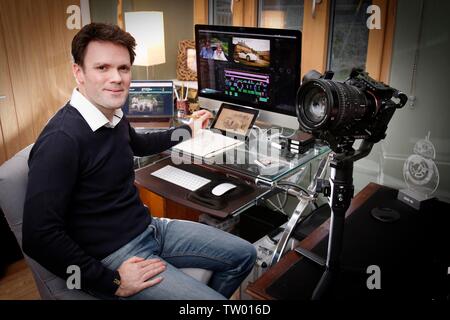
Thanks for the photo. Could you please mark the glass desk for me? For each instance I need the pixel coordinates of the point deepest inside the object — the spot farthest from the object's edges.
(245, 162)
(258, 159)
(281, 164)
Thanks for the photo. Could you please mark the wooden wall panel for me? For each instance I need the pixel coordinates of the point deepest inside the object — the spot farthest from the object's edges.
(375, 43)
(37, 43)
(380, 43)
(2, 145)
(245, 13)
(250, 13)
(238, 13)
(9, 140)
(120, 21)
(200, 12)
(388, 42)
(315, 37)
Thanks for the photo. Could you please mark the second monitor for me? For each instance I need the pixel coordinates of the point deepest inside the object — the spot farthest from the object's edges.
(149, 100)
(254, 67)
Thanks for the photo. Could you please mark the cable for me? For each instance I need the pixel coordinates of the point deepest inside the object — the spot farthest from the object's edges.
(288, 136)
(291, 184)
(262, 133)
(316, 206)
(256, 127)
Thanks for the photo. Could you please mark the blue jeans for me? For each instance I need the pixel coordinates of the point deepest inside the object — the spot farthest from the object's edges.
(186, 244)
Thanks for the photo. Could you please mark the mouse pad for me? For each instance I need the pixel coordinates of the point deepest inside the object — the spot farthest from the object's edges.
(205, 197)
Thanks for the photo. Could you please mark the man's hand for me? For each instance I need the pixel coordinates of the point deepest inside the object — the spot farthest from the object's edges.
(199, 120)
(134, 274)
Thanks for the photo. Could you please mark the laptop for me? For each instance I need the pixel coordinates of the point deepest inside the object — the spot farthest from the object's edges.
(150, 104)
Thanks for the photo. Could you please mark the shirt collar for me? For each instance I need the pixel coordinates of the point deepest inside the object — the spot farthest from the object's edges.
(94, 117)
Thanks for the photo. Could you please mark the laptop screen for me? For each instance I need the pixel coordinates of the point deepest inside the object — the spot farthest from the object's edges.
(149, 99)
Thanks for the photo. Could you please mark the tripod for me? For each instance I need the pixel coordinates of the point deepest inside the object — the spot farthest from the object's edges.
(340, 191)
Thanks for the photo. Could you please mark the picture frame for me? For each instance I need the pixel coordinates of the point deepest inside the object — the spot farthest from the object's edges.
(186, 61)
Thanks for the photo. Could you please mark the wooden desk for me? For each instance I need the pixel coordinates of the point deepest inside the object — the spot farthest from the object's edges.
(418, 237)
(258, 288)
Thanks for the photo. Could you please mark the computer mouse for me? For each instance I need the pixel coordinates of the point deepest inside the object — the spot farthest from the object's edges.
(222, 188)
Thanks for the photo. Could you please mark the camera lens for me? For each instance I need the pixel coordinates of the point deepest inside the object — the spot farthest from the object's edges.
(315, 105)
(329, 105)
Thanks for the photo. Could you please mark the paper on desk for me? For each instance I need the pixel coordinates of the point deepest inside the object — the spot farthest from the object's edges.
(207, 144)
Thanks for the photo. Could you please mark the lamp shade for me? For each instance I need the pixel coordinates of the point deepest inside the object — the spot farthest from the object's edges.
(147, 27)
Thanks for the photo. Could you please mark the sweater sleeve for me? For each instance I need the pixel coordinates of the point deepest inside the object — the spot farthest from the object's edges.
(155, 142)
(52, 177)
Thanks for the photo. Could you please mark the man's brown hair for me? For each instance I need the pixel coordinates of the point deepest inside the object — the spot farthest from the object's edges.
(100, 32)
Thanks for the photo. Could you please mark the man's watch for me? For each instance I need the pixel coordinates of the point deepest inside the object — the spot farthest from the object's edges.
(117, 281)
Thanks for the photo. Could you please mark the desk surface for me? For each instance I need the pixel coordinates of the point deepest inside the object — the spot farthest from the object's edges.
(284, 165)
(247, 157)
(235, 164)
(405, 250)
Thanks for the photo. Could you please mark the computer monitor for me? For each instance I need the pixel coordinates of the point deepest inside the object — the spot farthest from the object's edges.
(148, 99)
(256, 67)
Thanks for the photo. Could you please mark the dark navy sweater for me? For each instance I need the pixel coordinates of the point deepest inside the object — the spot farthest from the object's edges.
(81, 203)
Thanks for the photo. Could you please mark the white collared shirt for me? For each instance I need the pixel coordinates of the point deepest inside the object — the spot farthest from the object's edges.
(94, 117)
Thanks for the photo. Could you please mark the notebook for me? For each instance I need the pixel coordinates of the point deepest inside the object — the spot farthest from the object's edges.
(231, 127)
(150, 104)
(207, 144)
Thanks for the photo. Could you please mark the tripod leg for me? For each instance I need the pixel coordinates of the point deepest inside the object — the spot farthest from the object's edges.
(298, 216)
(290, 226)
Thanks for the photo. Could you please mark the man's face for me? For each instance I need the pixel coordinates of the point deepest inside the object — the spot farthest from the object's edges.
(105, 77)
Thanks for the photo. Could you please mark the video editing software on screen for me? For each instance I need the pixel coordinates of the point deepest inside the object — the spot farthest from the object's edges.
(250, 66)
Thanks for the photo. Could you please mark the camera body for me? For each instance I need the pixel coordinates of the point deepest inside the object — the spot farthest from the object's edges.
(361, 80)
(340, 112)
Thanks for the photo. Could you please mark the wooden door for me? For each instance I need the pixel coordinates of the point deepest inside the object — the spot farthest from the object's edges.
(35, 67)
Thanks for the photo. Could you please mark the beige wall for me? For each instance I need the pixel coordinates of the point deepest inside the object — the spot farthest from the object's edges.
(178, 25)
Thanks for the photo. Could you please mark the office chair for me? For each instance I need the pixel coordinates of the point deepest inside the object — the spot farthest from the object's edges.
(13, 185)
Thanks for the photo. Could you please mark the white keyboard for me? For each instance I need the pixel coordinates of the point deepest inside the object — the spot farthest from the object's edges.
(180, 177)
